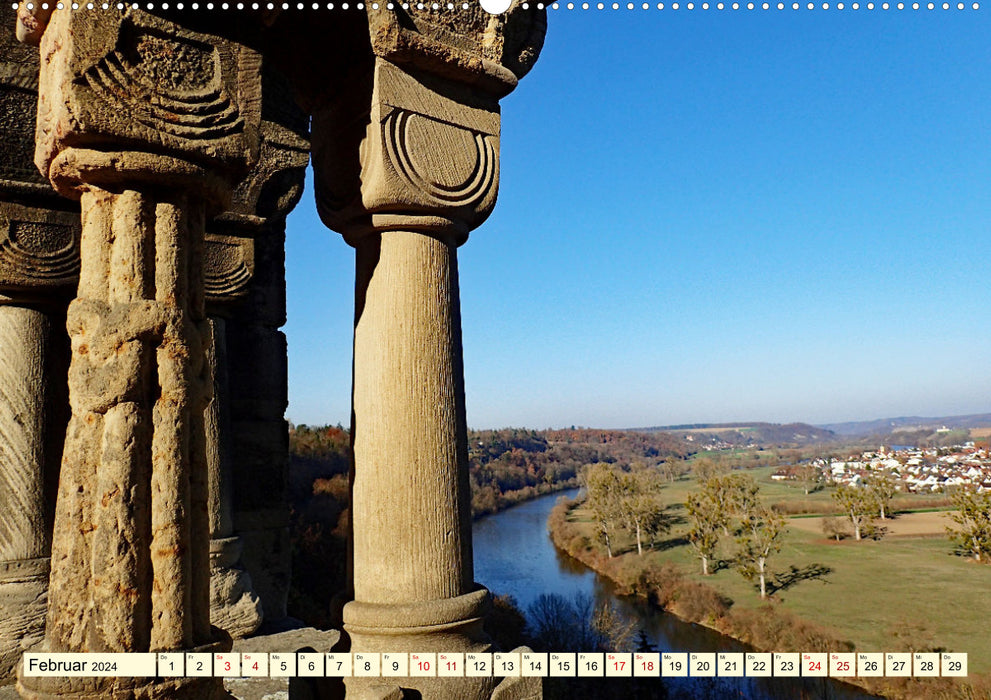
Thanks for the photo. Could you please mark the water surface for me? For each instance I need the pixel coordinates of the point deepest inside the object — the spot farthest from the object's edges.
(514, 555)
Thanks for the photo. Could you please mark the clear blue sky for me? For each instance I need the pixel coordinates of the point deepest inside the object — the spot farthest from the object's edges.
(713, 216)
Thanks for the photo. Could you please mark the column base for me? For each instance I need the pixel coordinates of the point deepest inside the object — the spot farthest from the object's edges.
(91, 688)
(23, 605)
(446, 625)
(234, 605)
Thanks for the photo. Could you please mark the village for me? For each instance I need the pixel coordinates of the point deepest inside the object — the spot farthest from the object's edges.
(912, 469)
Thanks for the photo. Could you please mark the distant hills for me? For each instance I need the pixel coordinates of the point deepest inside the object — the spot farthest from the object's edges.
(883, 426)
(911, 429)
(747, 433)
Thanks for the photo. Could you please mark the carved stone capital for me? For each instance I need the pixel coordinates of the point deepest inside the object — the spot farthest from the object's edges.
(74, 170)
(129, 81)
(243, 237)
(491, 52)
(228, 267)
(429, 160)
(412, 143)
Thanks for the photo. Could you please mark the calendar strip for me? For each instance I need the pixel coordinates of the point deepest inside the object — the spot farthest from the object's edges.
(668, 664)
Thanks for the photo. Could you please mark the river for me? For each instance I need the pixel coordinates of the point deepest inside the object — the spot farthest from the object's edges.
(514, 555)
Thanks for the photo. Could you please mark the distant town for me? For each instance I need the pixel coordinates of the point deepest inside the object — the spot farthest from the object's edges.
(913, 470)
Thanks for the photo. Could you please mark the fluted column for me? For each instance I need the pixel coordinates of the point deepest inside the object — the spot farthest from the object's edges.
(130, 549)
(129, 557)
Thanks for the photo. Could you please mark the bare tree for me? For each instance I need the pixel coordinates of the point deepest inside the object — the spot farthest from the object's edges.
(758, 532)
(706, 521)
(857, 505)
(881, 486)
(602, 489)
(705, 468)
(973, 519)
(758, 537)
(834, 527)
(809, 475)
(578, 624)
(639, 506)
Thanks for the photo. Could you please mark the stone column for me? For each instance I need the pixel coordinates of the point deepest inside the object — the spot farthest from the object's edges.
(410, 497)
(39, 237)
(234, 605)
(24, 335)
(25, 531)
(246, 293)
(130, 558)
(130, 569)
(428, 152)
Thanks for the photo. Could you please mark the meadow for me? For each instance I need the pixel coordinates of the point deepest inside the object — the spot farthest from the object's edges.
(908, 590)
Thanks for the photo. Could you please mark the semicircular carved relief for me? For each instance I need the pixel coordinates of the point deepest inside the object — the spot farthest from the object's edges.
(451, 165)
(41, 251)
(228, 267)
(167, 82)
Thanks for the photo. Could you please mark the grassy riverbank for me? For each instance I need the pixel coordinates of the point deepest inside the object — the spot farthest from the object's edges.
(901, 593)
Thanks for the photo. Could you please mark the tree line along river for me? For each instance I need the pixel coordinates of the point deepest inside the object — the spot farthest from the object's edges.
(514, 556)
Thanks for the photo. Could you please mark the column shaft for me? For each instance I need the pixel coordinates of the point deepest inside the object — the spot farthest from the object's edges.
(130, 568)
(217, 423)
(412, 538)
(24, 337)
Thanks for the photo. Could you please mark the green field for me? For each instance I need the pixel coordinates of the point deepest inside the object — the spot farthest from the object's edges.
(879, 595)
(793, 494)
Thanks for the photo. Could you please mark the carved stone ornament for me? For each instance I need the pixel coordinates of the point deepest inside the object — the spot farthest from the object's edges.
(471, 45)
(427, 138)
(39, 248)
(228, 267)
(131, 81)
(428, 159)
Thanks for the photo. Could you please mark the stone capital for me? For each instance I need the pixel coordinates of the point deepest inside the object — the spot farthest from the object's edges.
(428, 161)
(488, 52)
(39, 251)
(159, 101)
(413, 143)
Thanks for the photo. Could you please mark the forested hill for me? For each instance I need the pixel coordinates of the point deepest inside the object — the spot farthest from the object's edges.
(884, 426)
(505, 466)
(515, 464)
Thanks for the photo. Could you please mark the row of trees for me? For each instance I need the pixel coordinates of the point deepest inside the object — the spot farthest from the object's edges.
(625, 500)
(971, 513)
(863, 504)
(729, 505)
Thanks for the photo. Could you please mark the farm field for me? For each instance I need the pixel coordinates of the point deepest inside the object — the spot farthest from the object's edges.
(908, 590)
(923, 524)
